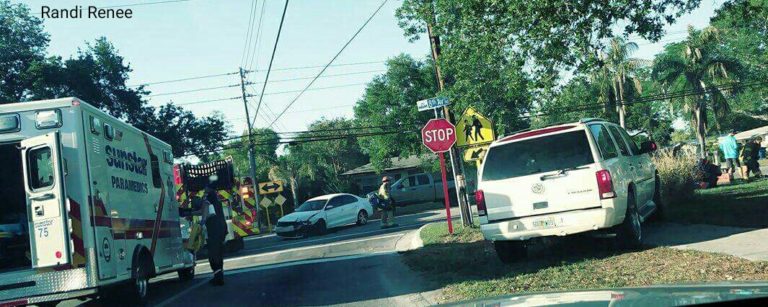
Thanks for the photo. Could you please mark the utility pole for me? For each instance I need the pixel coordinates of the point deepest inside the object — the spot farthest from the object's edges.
(251, 155)
(456, 167)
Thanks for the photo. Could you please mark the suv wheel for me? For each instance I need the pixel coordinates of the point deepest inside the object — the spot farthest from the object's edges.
(629, 233)
(510, 251)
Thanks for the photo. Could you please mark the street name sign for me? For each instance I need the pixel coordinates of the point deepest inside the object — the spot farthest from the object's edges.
(432, 103)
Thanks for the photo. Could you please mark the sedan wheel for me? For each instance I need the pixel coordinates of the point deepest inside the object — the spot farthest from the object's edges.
(362, 217)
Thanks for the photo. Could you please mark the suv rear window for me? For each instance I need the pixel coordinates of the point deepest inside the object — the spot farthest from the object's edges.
(539, 155)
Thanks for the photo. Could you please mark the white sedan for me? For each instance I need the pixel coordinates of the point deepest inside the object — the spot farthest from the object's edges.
(324, 212)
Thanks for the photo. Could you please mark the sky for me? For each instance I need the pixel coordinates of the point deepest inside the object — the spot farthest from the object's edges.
(187, 39)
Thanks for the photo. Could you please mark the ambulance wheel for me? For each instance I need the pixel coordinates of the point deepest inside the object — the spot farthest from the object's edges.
(186, 274)
(137, 292)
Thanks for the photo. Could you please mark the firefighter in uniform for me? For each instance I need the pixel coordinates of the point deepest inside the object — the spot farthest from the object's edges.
(217, 231)
(388, 213)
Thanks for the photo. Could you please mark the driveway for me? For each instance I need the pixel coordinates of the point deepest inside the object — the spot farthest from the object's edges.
(746, 243)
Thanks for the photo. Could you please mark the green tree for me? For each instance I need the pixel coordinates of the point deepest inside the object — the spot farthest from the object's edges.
(550, 35)
(265, 153)
(98, 75)
(293, 169)
(23, 43)
(616, 77)
(696, 65)
(745, 26)
(390, 102)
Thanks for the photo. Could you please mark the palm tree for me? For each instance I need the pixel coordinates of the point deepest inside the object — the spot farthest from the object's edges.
(695, 65)
(292, 169)
(615, 78)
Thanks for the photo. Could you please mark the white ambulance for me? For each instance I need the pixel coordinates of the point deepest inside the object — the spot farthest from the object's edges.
(94, 200)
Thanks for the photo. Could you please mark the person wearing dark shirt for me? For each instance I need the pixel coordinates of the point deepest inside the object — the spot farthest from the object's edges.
(216, 227)
(749, 157)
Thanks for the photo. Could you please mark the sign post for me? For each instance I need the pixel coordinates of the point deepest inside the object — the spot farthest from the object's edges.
(439, 135)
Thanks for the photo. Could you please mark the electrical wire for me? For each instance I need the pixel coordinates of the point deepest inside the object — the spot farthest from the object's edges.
(257, 43)
(248, 33)
(330, 62)
(184, 79)
(271, 60)
(194, 90)
(321, 66)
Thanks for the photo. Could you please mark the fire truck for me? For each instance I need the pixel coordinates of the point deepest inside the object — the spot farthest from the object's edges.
(92, 199)
(239, 211)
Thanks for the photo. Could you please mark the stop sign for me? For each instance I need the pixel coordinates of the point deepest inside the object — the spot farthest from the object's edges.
(438, 135)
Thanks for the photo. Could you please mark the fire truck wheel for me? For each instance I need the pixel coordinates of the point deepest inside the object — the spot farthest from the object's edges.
(186, 274)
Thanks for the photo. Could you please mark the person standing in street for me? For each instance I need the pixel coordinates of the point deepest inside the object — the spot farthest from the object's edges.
(730, 149)
(749, 155)
(216, 226)
(388, 213)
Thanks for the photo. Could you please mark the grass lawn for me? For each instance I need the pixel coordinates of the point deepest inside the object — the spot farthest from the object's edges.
(466, 267)
(741, 205)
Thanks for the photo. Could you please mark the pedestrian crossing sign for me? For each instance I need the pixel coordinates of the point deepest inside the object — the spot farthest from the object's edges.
(473, 129)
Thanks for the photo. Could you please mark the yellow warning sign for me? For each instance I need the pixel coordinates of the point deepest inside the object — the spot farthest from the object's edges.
(270, 187)
(475, 153)
(473, 129)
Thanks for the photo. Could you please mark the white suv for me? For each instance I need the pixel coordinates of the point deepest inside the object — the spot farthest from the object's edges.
(562, 180)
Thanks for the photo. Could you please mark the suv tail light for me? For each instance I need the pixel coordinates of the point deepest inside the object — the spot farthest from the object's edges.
(480, 201)
(605, 184)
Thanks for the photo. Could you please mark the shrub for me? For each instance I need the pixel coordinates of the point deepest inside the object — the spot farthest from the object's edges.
(676, 174)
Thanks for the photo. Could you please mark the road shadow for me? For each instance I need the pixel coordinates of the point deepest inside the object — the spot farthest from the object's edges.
(315, 284)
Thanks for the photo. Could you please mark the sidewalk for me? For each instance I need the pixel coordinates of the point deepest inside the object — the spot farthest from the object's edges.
(747, 243)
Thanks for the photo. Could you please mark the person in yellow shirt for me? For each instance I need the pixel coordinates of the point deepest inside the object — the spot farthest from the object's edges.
(388, 213)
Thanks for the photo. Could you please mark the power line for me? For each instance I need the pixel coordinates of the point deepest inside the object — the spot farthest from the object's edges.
(207, 101)
(274, 93)
(194, 90)
(327, 76)
(321, 66)
(248, 33)
(268, 108)
(318, 130)
(271, 60)
(308, 110)
(184, 79)
(257, 43)
(315, 89)
(330, 62)
(330, 138)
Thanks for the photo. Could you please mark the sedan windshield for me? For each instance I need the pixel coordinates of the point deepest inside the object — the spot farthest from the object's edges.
(311, 205)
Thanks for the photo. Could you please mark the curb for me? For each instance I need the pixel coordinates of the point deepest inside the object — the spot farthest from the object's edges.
(410, 241)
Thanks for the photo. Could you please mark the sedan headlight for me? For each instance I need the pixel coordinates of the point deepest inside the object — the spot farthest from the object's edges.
(305, 223)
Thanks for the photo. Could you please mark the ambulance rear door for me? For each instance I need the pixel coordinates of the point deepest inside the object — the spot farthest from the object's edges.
(44, 186)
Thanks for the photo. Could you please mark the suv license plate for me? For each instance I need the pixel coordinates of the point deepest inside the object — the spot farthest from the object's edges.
(544, 222)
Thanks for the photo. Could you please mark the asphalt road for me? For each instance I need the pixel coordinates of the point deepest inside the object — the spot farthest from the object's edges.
(271, 243)
(352, 264)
